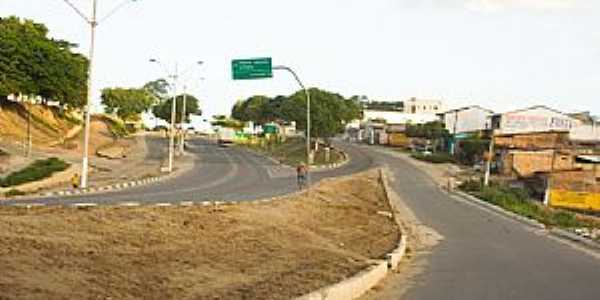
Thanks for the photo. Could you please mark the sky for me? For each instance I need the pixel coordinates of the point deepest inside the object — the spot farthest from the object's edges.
(500, 54)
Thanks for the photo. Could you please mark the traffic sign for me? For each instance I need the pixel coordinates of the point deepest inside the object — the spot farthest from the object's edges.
(254, 68)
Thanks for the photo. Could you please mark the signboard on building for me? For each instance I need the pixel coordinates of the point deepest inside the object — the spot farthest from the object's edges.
(575, 200)
(537, 119)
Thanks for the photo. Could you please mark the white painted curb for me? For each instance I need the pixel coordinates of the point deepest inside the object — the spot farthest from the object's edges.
(357, 285)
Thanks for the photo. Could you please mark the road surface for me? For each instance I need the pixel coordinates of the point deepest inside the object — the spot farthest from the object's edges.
(483, 255)
(219, 174)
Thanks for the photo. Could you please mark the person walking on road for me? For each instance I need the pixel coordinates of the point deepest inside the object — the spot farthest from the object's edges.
(301, 173)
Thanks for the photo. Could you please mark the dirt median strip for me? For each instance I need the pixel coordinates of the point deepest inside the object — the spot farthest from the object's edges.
(274, 250)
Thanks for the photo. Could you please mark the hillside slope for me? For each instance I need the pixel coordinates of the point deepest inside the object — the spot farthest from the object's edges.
(48, 125)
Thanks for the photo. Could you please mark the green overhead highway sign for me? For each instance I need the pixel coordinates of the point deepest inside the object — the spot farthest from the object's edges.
(254, 68)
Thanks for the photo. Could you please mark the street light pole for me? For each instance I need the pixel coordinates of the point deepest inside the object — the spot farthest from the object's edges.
(93, 22)
(173, 116)
(87, 112)
(175, 76)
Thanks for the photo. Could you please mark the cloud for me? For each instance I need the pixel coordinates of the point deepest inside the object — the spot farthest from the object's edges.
(500, 5)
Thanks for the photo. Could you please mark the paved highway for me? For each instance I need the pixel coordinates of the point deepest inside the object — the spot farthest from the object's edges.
(219, 174)
(482, 256)
(485, 256)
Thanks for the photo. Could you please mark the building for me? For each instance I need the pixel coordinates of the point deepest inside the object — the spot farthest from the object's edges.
(467, 119)
(534, 119)
(397, 117)
(421, 106)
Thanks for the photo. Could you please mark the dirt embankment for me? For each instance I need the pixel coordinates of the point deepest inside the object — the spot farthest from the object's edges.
(275, 250)
(48, 124)
(53, 130)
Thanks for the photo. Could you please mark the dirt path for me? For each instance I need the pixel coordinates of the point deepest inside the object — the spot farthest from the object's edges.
(275, 250)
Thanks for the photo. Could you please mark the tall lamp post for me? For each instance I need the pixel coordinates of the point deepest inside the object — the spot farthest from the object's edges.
(183, 115)
(175, 77)
(93, 22)
(307, 93)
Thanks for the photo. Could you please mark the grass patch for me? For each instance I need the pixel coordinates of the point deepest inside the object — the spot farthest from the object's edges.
(117, 128)
(38, 170)
(14, 193)
(435, 158)
(517, 200)
(292, 152)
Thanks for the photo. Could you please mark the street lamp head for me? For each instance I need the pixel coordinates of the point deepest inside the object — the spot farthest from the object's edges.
(153, 60)
(200, 62)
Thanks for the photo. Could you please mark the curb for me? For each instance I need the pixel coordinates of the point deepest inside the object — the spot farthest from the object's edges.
(314, 168)
(94, 190)
(346, 160)
(357, 285)
(556, 232)
(497, 209)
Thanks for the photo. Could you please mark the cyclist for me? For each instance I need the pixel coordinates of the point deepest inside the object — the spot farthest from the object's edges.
(301, 173)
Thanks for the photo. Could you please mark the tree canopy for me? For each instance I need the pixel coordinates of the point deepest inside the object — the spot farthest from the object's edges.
(163, 109)
(31, 63)
(128, 104)
(158, 88)
(329, 111)
(431, 130)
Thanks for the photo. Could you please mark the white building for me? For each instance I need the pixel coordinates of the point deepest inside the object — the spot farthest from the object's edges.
(396, 117)
(151, 122)
(472, 118)
(422, 106)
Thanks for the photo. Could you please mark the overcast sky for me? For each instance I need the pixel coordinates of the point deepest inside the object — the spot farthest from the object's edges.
(501, 54)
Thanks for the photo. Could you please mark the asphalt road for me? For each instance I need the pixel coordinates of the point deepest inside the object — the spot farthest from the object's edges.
(482, 256)
(485, 256)
(219, 174)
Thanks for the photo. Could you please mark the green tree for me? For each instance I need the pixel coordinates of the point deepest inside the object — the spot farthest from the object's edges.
(329, 111)
(163, 110)
(158, 88)
(433, 131)
(31, 63)
(252, 109)
(128, 104)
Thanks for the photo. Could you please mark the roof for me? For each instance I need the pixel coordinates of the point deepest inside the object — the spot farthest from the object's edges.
(532, 108)
(595, 159)
(466, 108)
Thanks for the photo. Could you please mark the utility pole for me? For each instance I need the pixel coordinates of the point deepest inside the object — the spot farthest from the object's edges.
(29, 138)
(488, 165)
(183, 111)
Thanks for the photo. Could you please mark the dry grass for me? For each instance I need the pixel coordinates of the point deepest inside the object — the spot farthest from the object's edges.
(272, 250)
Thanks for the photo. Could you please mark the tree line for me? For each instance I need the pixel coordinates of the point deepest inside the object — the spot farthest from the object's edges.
(330, 112)
(129, 103)
(31, 63)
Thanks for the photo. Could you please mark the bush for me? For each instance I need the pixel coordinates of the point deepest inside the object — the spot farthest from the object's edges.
(471, 186)
(118, 129)
(472, 150)
(435, 158)
(517, 200)
(14, 193)
(38, 170)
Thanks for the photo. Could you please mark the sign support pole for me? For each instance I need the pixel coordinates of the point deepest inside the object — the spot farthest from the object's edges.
(307, 93)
